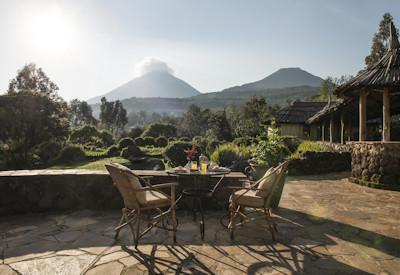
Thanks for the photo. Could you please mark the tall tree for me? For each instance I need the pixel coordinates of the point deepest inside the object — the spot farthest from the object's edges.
(81, 113)
(380, 41)
(218, 126)
(113, 115)
(194, 122)
(31, 113)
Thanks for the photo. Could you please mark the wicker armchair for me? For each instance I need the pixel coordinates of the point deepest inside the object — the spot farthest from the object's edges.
(257, 198)
(142, 203)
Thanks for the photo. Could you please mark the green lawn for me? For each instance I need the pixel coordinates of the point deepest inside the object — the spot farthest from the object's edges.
(87, 164)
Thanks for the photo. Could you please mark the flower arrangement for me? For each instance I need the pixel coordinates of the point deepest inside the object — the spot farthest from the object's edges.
(191, 153)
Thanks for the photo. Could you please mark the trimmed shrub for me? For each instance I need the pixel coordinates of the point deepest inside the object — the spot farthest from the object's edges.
(149, 141)
(71, 153)
(160, 129)
(131, 152)
(139, 141)
(161, 141)
(88, 135)
(125, 142)
(48, 151)
(106, 137)
(185, 139)
(113, 151)
(245, 141)
(135, 132)
(175, 153)
(228, 154)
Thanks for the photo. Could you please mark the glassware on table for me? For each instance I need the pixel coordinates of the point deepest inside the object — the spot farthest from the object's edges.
(203, 163)
(193, 165)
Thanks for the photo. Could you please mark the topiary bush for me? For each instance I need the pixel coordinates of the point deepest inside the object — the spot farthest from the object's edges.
(161, 141)
(175, 154)
(149, 141)
(48, 151)
(106, 137)
(139, 141)
(227, 154)
(185, 139)
(135, 132)
(125, 142)
(160, 129)
(71, 153)
(131, 152)
(113, 151)
(245, 141)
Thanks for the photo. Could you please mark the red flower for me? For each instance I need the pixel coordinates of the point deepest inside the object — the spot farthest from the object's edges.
(191, 153)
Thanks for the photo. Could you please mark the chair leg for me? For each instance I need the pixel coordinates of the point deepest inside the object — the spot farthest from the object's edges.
(136, 240)
(269, 224)
(232, 224)
(273, 221)
(120, 222)
(173, 213)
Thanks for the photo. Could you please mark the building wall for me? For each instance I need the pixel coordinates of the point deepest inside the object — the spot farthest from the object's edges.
(296, 130)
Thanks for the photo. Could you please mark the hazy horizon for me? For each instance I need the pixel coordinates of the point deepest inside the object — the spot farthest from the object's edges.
(91, 47)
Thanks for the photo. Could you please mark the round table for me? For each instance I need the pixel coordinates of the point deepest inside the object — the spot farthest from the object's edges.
(197, 193)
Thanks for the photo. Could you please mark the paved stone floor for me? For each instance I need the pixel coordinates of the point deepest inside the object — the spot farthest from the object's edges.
(327, 226)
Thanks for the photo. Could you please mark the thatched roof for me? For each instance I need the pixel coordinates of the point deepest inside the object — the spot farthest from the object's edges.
(328, 109)
(384, 74)
(299, 112)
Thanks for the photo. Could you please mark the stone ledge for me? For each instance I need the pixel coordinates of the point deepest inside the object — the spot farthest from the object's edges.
(27, 191)
(374, 184)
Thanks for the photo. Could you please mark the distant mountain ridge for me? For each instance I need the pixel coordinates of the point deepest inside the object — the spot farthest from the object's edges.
(282, 78)
(153, 84)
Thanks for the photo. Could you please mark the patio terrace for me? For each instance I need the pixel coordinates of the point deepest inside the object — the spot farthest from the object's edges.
(326, 225)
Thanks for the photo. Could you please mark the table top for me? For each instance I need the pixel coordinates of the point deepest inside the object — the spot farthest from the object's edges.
(200, 174)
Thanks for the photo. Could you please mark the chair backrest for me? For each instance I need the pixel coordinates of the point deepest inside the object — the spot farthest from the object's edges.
(127, 184)
(266, 182)
(280, 174)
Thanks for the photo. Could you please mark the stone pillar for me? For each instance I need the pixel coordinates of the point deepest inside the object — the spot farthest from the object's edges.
(363, 116)
(386, 116)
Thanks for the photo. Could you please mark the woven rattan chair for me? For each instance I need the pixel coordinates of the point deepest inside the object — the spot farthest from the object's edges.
(143, 203)
(257, 198)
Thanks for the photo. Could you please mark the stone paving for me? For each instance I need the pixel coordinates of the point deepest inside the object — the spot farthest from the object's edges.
(327, 225)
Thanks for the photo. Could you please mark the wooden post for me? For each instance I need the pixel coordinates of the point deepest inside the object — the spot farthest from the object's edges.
(331, 126)
(323, 131)
(363, 116)
(386, 116)
(342, 127)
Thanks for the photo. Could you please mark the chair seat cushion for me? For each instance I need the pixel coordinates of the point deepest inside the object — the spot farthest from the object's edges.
(154, 199)
(250, 198)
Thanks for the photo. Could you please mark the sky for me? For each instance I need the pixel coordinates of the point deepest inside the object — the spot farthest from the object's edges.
(89, 47)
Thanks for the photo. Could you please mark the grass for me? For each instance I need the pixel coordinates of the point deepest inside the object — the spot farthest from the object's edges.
(153, 151)
(308, 146)
(92, 165)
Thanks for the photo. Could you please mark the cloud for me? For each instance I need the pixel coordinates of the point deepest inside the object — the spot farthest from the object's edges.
(151, 64)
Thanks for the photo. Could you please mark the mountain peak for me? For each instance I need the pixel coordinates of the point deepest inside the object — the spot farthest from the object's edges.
(282, 78)
(151, 84)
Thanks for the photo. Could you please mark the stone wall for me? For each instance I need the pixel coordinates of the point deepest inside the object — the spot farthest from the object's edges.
(52, 190)
(376, 162)
(320, 163)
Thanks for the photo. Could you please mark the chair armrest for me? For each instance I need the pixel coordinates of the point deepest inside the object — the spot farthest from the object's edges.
(167, 184)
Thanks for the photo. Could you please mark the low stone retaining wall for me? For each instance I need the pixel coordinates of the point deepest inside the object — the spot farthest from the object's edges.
(51, 190)
(375, 163)
(320, 163)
